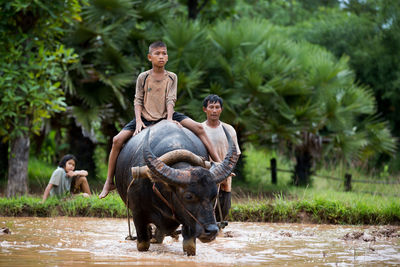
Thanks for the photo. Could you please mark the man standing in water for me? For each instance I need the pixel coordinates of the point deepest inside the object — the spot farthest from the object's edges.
(213, 106)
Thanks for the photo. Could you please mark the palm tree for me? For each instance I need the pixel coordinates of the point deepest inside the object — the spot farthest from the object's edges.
(295, 94)
(111, 40)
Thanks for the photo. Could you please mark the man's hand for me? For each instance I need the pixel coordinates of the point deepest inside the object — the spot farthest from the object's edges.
(139, 126)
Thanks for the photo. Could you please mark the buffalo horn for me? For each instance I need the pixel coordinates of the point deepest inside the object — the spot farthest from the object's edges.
(223, 170)
(161, 170)
(171, 157)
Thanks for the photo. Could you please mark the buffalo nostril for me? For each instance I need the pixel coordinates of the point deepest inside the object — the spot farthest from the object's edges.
(211, 229)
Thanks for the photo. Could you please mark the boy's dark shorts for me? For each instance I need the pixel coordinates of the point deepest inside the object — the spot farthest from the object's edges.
(131, 126)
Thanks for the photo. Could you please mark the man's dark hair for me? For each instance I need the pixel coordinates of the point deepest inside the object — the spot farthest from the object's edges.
(156, 44)
(64, 160)
(212, 99)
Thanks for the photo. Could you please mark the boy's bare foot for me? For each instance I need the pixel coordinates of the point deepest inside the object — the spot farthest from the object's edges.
(106, 189)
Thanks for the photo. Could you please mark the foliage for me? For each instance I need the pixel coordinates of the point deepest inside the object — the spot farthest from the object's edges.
(33, 60)
(368, 32)
(258, 178)
(257, 175)
(39, 173)
(310, 96)
(283, 12)
(285, 94)
(111, 40)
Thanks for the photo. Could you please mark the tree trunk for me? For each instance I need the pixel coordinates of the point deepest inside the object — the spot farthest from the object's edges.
(192, 9)
(18, 166)
(239, 169)
(3, 160)
(82, 148)
(303, 167)
(109, 131)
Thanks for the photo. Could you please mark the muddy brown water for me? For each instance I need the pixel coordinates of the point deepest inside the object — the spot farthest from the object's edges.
(67, 241)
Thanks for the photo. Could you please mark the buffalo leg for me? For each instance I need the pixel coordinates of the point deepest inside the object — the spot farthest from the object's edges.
(143, 232)
(225, 202)
(189, 242)
(158, 237)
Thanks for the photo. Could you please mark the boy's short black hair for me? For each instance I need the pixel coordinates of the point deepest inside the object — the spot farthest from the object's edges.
(156, 44)
(212, 99)
(64, 160)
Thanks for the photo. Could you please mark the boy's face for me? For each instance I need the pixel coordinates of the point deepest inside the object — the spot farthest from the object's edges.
(213, 111)
(158, 57)
(70, 165)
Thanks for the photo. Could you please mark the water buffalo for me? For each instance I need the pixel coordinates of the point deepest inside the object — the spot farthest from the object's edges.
(169, 195)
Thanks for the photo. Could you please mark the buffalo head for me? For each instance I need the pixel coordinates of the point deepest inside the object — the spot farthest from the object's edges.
(194, 190)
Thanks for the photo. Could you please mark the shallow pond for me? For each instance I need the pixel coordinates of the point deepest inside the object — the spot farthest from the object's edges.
(66, 241)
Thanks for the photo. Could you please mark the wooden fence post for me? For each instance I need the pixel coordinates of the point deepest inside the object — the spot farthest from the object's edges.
(347, 182)
(274, 177)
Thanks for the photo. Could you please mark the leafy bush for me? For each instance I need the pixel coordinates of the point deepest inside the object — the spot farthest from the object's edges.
(39, 173)
(255, 169)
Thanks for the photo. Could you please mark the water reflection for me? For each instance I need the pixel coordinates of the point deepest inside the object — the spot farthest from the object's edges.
(64, 241)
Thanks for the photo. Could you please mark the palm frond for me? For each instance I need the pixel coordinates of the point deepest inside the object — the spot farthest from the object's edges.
(86, 117)
(95, 95)
(100, 10)
(115, 83)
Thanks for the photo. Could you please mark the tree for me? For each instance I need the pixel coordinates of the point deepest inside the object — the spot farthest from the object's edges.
(368, 32)
(112, 41)
(296, 96)
(33, 61)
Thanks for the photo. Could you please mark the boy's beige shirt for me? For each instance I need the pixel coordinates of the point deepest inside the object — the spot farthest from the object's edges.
(154, 95)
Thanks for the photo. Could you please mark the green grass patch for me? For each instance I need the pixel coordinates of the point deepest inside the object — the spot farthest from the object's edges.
(78, 205)
(39, 173)
(302, 206)
(315, 206)
(258, 177)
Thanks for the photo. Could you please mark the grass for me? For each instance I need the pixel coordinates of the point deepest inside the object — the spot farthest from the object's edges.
(315, 206)
(301, 205)
(39, 174)
(69, 206)
(258, 177)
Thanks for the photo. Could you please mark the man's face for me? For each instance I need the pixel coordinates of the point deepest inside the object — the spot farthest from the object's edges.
(158, 56)
(213, 111)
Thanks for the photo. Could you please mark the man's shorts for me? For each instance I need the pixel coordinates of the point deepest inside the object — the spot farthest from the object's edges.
(131, 126)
